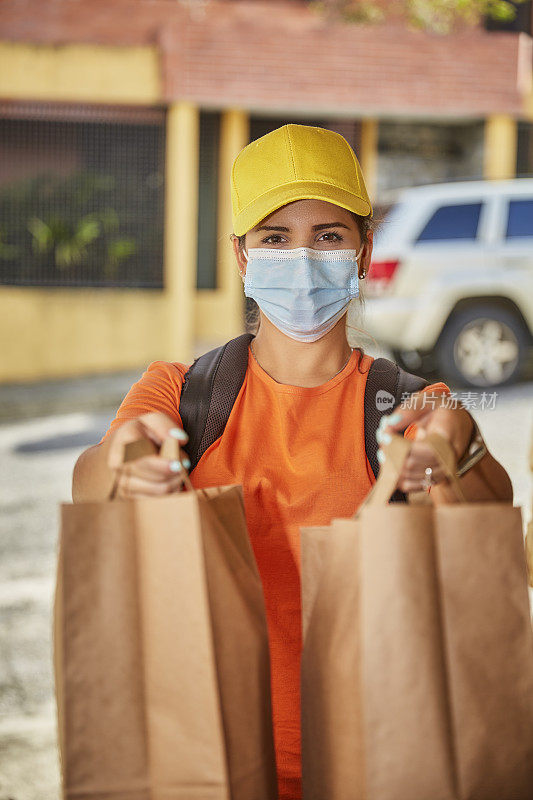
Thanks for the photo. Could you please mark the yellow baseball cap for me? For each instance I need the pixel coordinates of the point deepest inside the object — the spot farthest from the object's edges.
(295, 162)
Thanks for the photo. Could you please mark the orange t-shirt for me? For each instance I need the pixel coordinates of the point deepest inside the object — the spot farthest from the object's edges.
(299, 454)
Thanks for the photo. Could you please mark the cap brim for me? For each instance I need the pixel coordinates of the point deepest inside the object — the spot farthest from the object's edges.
(275, 198)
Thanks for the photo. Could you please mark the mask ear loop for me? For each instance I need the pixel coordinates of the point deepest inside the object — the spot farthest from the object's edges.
(361, 277)
(245, 254)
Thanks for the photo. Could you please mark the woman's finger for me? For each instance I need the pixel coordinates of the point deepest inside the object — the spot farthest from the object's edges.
(158, 426)
(419, 476)
(419, 459)
(416, 471)
(411, 486)
(154, 426)
(402, 416)
(421, 455)
(156, 468)
(133, 486)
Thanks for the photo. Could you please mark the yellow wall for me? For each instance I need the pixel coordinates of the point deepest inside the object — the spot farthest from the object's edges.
(80, 73)
(48, 333)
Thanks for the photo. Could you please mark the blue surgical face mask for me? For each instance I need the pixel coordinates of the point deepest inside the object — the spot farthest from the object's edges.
(303, 292)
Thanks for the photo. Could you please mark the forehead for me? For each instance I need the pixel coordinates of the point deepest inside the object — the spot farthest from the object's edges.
(308, 212)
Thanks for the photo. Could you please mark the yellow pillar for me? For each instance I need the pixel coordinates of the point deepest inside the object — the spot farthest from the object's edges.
(499, 162)
(369, 155)
(234, 135)
(181, 227)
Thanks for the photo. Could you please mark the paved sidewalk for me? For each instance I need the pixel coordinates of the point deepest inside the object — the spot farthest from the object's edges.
(99, 392)
(87, 393)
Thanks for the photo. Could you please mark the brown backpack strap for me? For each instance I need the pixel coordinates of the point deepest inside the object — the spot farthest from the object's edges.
(209, 391)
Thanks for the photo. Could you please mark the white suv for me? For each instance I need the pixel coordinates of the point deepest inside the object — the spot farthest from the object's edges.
(451, 281)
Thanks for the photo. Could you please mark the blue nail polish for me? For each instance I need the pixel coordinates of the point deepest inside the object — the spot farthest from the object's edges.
(383, 437)
(178, 434)
(381, 456)
(392, 419)
(175, 466)
(186, 463)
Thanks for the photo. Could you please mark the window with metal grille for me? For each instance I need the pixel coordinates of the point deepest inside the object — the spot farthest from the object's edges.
(81, 196)
(524, 155)
(206, 274)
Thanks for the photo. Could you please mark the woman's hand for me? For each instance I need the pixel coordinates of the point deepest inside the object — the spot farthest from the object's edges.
(454, 424)
(150, 475)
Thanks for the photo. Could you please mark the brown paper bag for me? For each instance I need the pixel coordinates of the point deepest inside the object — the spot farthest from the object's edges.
(161, 651)
(417, 665)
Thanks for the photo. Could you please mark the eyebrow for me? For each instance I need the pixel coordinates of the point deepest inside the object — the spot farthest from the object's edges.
(315, 227)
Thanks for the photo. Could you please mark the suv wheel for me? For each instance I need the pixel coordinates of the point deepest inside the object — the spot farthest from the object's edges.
(405, 360)
(483, 345)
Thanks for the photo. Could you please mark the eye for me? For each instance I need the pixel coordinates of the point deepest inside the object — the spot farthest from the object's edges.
(337, 237)
(269, 239)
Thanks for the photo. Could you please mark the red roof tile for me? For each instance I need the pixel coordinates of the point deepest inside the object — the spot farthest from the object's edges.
(282, 56)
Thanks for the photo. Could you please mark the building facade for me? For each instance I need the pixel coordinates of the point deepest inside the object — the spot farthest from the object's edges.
(119, 123)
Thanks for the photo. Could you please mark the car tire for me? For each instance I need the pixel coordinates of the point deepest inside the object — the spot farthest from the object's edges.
(397, 357)
(483, 345)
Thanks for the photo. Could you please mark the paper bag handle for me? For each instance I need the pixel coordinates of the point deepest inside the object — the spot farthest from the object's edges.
(146, 447)
(396, 453)
(529, 532)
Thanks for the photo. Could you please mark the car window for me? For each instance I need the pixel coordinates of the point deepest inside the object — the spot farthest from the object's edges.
(452, 222)
(520, 219)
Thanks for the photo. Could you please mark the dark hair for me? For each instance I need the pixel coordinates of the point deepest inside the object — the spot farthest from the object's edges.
(252, 316)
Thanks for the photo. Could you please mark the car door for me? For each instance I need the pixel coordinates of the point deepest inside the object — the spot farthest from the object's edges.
(515, 250)
(448, 246)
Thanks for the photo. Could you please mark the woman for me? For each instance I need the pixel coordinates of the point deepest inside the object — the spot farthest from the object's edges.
(295, 438)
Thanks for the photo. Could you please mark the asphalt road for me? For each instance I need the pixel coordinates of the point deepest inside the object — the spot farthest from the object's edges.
(36, 461)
